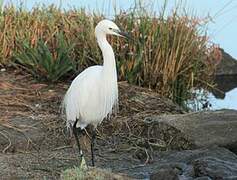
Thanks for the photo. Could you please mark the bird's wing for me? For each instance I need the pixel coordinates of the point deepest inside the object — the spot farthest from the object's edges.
(80, 92)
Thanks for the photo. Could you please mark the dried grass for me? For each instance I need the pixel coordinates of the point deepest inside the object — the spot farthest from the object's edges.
(171, 55)
(29, 99)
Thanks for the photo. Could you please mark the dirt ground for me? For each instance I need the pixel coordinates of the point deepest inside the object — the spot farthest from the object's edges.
(35, 144)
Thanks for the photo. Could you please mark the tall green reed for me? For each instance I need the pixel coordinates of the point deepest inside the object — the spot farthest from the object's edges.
(169, 54)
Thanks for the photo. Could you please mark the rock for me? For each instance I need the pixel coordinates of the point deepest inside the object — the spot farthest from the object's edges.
(205, 128)
(166, 174)
(200, 164)
(224, 84)
(227, 66)
(210, 167)
(203, 178)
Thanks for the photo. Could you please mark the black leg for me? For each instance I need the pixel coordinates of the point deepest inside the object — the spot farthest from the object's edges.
(76, 134)
(93, 136)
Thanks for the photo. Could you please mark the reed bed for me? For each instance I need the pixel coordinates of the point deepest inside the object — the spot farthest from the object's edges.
(171, 55)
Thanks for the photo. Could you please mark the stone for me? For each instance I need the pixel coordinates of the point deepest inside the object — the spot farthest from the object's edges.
(204, 163)
(227, 66)
(165, 174)
(203, 178)
(205, 128)
(224, 84)
(199, 164)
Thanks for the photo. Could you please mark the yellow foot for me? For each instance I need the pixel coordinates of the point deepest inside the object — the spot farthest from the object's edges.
(83, 163)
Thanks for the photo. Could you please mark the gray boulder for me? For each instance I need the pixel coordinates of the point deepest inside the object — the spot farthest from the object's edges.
(227, 66)
(203, 129)
(201, 164)
(224, 84)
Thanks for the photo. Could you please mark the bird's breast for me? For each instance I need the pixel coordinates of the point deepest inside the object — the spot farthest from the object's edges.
(100, 102)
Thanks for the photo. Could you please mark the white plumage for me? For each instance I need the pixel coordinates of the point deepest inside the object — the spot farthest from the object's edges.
(94, 92)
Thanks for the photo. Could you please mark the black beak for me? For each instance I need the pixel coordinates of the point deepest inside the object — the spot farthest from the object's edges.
(125, 34)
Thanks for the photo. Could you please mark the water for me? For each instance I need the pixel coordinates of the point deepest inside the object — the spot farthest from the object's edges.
(228, 97)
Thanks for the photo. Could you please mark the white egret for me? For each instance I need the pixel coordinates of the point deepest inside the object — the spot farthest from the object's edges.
(93, 94)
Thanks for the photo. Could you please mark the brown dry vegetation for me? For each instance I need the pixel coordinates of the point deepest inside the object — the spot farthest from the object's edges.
(21, 97)
(168, 55)
(171, 55)
(31, 123)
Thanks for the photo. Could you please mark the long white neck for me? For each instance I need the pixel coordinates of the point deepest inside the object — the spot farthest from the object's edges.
(108, 86)
(109, 65)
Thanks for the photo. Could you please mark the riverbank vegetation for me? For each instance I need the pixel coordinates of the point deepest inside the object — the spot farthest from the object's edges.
(170, 54)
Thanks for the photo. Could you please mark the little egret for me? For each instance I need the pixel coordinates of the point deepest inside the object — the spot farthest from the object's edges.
(93, 94)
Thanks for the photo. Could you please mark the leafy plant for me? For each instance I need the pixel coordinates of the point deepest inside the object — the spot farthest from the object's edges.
(46, 64)
(170, 53)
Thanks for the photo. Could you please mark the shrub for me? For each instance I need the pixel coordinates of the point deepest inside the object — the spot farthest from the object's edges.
(169, 54)
(42, 63)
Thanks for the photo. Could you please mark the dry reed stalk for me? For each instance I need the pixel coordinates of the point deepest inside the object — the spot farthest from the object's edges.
(171, 55)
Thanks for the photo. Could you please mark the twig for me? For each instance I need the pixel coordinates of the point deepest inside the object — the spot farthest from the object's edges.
(9, 140)
(62, 147)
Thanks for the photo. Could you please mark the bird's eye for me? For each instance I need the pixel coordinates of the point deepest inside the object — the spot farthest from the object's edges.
(110, 28)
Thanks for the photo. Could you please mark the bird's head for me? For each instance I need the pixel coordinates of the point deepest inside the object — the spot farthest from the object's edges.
(108, 27)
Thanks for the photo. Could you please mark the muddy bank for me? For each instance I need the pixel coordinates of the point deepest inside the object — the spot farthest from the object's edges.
(213, 163)
(154, 154)
(35, 144)
(149, 138)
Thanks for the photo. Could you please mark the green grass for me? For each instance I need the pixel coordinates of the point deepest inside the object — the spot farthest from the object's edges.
(43, 63)
(73, 174)
(170, 54)
(77, 173)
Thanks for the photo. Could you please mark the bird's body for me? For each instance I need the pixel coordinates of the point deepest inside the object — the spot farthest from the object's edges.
(94, 92)
(91, 97)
